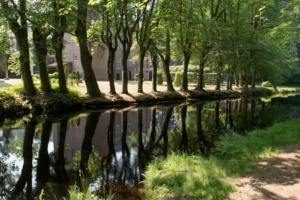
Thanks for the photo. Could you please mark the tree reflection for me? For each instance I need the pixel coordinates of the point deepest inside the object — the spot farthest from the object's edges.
(26, 173)
(164, 131)
(125, 149)
(43, 162)
(60, 170)
(203, 143)
(87, 146)
(184, 137)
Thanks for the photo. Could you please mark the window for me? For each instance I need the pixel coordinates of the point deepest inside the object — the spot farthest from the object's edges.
(75, 58)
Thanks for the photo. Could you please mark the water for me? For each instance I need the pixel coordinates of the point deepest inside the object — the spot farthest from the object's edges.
(111, 148)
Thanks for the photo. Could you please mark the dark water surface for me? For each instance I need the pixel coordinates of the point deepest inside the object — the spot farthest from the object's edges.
(111, 148)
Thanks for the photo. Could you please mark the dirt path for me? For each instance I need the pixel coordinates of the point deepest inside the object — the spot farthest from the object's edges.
(276, 177)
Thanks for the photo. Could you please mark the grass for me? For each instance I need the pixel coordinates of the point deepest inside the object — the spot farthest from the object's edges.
(288, 89)
(13, 100)
(185, 177)
(193, 177)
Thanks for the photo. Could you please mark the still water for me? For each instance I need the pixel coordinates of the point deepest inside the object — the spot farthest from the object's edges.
(110, 149)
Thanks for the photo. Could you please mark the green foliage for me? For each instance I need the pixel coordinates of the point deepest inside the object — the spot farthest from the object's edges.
(178, 79)
(266, 84)
(185, 177)
(14, 63)
(59, 102)
(11, 99)
(93, 163)
(210, 78)
(176, 68)
(159, 77)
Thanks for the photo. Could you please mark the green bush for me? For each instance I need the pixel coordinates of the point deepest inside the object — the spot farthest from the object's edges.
(178, 79)
(266, 84)
(37, 76)
(55, 75)
(159, 77)
(210, 78)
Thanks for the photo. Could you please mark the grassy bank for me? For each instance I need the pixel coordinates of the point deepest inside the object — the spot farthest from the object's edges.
(193, 177)
(14, 100)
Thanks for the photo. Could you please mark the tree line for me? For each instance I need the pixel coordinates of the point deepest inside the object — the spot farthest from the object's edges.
(248, 41)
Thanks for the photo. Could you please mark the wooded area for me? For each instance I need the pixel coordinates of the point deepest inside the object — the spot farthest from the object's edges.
(245, 41)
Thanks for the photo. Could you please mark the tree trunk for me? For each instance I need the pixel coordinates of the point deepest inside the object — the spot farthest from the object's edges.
(166, 63)
(218, 81)
(200, 84)
(154, 68)
(86, 58)
(110, 69)
(125, 55)
(141, 72)
(40, 46)
(187, 57)
(202, 60)
(21, 35)
(58, 45)
(237, 79)
(252, 79)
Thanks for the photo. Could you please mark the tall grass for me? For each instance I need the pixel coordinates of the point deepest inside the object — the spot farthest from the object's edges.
(183, 176)
(193, 177)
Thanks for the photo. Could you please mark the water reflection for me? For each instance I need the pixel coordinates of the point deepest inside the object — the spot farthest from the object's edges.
(112, 149)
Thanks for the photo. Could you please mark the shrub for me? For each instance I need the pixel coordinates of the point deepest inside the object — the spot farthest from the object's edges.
(210, 78)
(266, 84)
(55, 75)
(159, 77)
(36, 76)
(178, 79)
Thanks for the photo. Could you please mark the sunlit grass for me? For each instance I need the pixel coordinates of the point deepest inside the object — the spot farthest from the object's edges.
(193, 177)
(238, 153)
(288, 89)
(183, 176)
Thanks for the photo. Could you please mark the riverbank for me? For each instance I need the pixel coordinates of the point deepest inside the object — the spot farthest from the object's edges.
(262, 165)
(13, 100)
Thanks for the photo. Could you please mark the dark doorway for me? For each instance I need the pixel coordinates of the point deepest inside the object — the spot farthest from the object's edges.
(150, 75)
(129, 76)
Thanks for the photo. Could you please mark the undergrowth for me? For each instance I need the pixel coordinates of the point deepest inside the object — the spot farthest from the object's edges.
(13, 99)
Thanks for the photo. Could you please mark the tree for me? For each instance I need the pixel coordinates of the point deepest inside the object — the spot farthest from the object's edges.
(109, 36)
(86, 58)
(38, 15)
(17, 20)
(57, 40)
(143, 37)
(161, 39)
(184, 28)
(129, 13)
